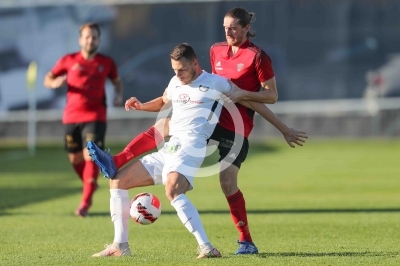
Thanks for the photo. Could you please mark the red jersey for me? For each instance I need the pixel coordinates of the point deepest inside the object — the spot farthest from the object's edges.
(247, 69)
(86, 79)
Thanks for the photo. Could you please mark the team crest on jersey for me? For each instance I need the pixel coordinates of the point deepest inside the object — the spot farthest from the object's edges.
(203, 88)
(239, 66)
(100, 68)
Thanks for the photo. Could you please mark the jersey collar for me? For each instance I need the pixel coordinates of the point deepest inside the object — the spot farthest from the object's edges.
(82, 58)
(244, 45)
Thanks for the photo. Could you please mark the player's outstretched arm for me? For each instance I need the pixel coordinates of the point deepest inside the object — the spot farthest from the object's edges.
(154, 105)
(292, 136)
(53, 82)
(267, 94)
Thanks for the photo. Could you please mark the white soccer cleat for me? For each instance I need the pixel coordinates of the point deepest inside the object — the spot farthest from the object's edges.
(207, 252)
(112, 251)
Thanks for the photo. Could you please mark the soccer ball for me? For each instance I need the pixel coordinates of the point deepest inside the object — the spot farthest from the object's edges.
(145, 208)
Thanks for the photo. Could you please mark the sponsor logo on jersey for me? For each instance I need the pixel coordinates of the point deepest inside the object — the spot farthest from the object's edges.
(232, 155)
(100, 68)
(239, 66)
(203, 88)
(184, 98)
(218, 66)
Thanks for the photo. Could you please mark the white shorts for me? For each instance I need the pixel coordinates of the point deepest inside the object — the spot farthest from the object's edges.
(182, 156)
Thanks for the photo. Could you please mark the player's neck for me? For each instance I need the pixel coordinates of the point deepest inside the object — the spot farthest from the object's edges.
(198, 72)
(87, 55)
(235, 48)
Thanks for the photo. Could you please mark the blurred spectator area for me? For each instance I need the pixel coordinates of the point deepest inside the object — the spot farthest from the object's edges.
(319, 49)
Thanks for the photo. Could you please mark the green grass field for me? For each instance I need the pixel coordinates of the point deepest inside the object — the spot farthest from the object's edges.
(327, 203)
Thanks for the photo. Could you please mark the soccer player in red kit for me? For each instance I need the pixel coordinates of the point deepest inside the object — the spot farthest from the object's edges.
(85, 73)
(249, 67)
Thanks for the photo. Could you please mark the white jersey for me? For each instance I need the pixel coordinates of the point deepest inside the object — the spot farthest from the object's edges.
(196, 106)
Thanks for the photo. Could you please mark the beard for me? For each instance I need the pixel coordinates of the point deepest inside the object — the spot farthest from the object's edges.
(234, 41)
(93, 50)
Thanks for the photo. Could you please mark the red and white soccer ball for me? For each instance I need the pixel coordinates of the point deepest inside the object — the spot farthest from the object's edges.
(145, 208)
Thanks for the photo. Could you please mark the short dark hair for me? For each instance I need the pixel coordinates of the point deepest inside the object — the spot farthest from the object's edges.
(91, 25)
(244, 18)
(183, 50)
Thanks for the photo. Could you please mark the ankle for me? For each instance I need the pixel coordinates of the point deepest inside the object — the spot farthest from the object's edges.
(120, 246)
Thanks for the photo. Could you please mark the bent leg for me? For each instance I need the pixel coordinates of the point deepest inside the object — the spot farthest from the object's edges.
(144, 142)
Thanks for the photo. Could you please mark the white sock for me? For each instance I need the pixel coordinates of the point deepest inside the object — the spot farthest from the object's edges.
(190, 218)
(119, 210)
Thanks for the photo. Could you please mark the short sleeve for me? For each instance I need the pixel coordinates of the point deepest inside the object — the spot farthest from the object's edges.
(263, 66)
(212, 60)
(60, 68)
(113, 74)
(168, 90)
(225, 86)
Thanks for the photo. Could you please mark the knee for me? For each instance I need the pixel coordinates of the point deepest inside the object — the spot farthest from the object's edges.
(116, 184)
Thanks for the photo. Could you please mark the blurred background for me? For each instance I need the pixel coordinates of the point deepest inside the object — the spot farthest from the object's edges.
(337, 63)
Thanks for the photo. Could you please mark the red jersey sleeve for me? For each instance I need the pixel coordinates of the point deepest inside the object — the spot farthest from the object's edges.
(60, 67)
(212, 60)
(264, 67)
(113, 70)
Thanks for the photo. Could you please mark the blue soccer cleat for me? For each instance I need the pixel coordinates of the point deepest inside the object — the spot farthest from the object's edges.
(246, 247)
(103, 160)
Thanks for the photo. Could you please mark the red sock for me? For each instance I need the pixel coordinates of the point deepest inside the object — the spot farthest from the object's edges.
(79, 169)
(90, 175)
(144, 142)
(237, 207)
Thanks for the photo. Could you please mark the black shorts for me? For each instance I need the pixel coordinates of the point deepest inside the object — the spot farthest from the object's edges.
(78, 134)
(233, 148)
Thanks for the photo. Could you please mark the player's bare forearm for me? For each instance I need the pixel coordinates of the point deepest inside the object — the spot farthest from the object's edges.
(53, 82)
(266, 113)
(118, 89)
(153, 105)
(291, 136)
(267, 94)
(263, 96)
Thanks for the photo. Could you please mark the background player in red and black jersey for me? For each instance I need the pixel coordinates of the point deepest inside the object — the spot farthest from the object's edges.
(85, 73)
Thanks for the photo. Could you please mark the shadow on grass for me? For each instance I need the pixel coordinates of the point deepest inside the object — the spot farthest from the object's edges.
(288, 211)
(17, 197)
(327, 254)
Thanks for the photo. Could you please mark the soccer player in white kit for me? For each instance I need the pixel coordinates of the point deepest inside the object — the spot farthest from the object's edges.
(196, 98)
